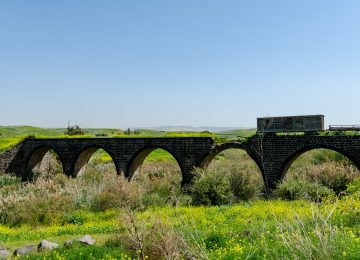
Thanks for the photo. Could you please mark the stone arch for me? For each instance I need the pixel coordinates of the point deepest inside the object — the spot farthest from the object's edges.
(222, 147)
(139, 157)
(293, 156)
(35, 158)
(83, 158)
(243, 170)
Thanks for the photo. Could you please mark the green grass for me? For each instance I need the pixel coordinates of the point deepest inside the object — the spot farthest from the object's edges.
(256, 230)
(159, 155)
(101, 156)
(237, 134)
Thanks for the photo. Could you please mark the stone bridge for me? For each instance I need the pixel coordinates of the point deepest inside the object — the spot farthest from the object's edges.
(272, 153)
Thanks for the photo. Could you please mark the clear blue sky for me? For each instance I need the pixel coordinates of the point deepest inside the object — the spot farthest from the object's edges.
(184, 62)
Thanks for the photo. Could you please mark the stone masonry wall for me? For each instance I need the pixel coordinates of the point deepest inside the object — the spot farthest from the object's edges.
(272, 153)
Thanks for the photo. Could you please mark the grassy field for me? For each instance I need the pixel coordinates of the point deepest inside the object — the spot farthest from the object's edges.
(254, 230)
(314, 214)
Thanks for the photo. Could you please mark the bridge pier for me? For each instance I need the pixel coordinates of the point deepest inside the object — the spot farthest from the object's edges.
(68, 169)
(270, 177)
(187, 170)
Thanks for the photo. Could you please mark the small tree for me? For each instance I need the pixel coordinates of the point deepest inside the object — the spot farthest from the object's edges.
(127, 131)
(74, 130)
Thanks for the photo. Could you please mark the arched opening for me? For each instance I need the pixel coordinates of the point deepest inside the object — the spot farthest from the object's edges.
(159, 173)
(43, 161)
(94, 160)
(322, 166)
(242, 171)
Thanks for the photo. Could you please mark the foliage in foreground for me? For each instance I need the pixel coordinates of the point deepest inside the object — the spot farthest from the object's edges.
(229, 179)
(255, 230)
(150, 217)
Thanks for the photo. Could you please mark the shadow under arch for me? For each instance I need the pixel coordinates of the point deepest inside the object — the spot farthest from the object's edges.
(295, 155)
(35, 159)
(82, 159)
(139, 157)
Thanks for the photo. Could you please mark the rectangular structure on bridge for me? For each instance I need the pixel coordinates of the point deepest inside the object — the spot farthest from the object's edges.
(291, 123)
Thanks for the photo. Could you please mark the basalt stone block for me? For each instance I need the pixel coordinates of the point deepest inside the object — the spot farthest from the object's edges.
(46, 245)
(87, 240)
(24, 250)
(4, 253)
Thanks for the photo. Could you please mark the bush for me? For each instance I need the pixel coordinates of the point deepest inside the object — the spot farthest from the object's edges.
(211, 188)
(300, 189)
(35, 211)
(231, 177)
(119, 193)
(42, 202)
(161, 184)
(335, 176)
(152, 239)
(245, 183)
(244, 176)
(354, 187)
(74, 130)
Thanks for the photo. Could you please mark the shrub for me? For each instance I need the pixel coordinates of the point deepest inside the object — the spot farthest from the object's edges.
(299, 189)
(335, 176)
(244, 176)
(41, 202)
(35, 210)
(354, 187)
(154, 240)
(161, 184)
(245, 183)
(118, 193)
(76, 218)
(74, 130)
(211, 188)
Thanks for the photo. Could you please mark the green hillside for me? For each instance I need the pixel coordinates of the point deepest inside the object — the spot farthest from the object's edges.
(237, 134)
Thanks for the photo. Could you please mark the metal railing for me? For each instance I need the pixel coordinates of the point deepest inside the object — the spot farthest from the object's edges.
(344, 127)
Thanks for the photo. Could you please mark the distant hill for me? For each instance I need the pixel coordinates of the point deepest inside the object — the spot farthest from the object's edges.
(213, 129)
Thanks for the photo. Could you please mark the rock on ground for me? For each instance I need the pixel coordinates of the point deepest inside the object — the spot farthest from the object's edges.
(4, 253)
(88, 240)
(46, 245)
(24, 250)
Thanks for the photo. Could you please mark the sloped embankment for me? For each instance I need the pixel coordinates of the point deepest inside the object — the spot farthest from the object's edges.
(7, 157)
